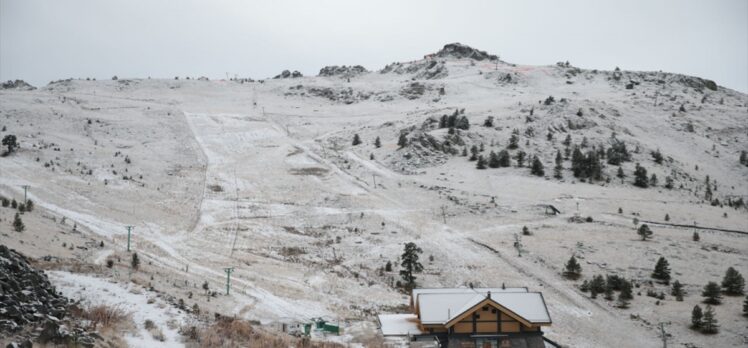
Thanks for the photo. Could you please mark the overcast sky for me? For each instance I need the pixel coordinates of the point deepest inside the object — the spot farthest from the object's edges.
(53, 39)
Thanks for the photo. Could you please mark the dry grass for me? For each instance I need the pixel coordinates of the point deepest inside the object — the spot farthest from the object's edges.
(228, 332)
(102, 316)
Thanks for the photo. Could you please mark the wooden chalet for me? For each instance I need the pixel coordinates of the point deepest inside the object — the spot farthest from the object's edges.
(472, 317)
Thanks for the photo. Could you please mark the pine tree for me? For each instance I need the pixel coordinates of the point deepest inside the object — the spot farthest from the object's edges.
(481, 163)
(402, 141)
(493, 160)
(597, 285)
(410, 264)
(677, 291)
(537, 167)
(464, 151)
(627, 291)
(520, 158)
(622, 302)
(513, 141)
(388, 266)
(696, 237)
(709, 323)
(567, 141)
(644, 232)
(667, 217)
(696, 317)
(653, 180)
(669, 183)
(712, 294)
(135, 263)
(657, 156)
(504, 159)
(558, 169)
(640, 177)
(572, 270)
(356, 140)
(488, 122)
(662, 270)
(473, 153)
(733, 282)
(708, 192)
(18, 225)
(378, 142)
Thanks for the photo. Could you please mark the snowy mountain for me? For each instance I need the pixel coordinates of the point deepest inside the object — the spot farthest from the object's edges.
(264, 176)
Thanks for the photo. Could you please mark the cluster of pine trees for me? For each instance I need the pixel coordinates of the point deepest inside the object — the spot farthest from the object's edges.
(21, 208)
(455, 120)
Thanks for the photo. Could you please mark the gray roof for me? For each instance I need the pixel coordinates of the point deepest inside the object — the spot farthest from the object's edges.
(439, 306)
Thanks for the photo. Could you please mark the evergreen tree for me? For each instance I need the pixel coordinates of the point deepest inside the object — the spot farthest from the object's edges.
(572, 270)
(11, 142)
(620, 174)
(627, 291)
(662, 270)
(481, 163)
(597, 285)
(696, 237)
(708, 191)
(135, 262)
(14, 204)
(388, 266)
(709, 323)
(488, 122)
(669, 184)
(558, 169)
(667, 217)
(493, 160)
(464, 151)
(653, 180)
(356, 140)
(745, 307)
(712, 294)
(473, 153)
(537, 167)
(378, 142)
(677, 291)
(18, 225)
(462, 123)
(697, 317)
(504, 159)
(622, 302)
(410, 264)
(402, 141)
(657, 156)
(513, 141)
(29, 205)
(733, 282)
(520, 158)
(640, 177)
(644, 232)
(567, 141)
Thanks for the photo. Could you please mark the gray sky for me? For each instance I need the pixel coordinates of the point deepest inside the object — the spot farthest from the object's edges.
(53, 39)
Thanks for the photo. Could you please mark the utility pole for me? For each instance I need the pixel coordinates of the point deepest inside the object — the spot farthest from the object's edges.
(228, 278)
(375, 180)
(444, 215)
(129, 232)
(25, 192)
(518, 245)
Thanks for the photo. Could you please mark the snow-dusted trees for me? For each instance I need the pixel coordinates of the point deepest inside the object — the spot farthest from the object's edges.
(537, 167)
(356, 139)
(677, 291)
(733, 282)
(712, 294)
(662, 271)
(410, 264)
(10, 142)
(644, 232)
(135, 262)
(378, 142)
(18, 225)
(640, 177)
(402, 141)
(572, 270)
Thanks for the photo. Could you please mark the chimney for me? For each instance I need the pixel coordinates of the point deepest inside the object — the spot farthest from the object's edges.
(489, 294)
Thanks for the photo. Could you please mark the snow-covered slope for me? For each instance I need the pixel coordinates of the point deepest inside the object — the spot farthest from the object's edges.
(263, 177)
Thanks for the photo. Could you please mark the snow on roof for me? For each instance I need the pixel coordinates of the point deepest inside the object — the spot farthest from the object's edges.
(420, 291)
(439, 308)
(399, 324)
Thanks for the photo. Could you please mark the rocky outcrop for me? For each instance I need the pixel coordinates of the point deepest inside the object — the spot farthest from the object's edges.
(20, 85)
(28, 300)
(459, 51)
(342, 71)
(287, 74)
(426, 69)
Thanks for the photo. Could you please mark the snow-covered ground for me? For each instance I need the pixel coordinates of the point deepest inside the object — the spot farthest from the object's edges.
(263, 177)
(93, 291)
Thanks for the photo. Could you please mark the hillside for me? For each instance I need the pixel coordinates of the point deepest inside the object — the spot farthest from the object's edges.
(263, 176)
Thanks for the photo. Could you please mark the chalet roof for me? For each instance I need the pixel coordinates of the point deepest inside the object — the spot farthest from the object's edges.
(439, 307)
(417, 292)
